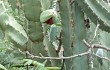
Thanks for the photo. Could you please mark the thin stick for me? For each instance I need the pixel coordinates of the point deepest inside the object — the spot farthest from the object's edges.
(96, 46)
(58, 58)
(102, 57)
(95, 33)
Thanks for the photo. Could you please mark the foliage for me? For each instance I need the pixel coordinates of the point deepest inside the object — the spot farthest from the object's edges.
(31, 31)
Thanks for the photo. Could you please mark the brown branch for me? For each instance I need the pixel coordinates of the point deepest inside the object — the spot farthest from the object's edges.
(102, 57)
(58, 58)
(101, 46)
(96, 46)
(95, 33)
(86, 43)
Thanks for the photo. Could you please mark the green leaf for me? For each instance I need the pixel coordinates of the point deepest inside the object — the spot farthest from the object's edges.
(2, 67)
(53, 68)
(47, 14)
(28, 62)
(2, 7)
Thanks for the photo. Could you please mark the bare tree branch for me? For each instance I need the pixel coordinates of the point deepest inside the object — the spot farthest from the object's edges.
(58, 58)
(96, 46)
(102, 57)
(73, 56)
(86, 43)
(95, 33)
(101, 46)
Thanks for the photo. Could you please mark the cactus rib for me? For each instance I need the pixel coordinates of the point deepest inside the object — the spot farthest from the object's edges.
(96, 12)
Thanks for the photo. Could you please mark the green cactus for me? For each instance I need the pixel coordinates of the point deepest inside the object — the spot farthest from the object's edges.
(97, 12)
(32, 10)
(49, 16)
(53, 33)
(104, 40)
(34, 26)
(35, 30)
(66, 31)
(45, 15)
(51, 51)
(3, 16)
(26, 29)
(46, 4)
(100, 53)
(18, 35)
(79, 35)
(15, 4)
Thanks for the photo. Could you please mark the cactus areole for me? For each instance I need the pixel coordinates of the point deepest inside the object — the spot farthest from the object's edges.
(48, 16)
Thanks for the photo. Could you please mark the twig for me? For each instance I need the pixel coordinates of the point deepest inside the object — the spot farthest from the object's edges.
(96, 46)
(95, 33)
(57, 58)
(101, 46)
(102, 57)
(86, 43)
(41, 54)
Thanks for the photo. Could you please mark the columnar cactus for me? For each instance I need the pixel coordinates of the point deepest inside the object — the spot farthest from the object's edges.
(79, 34)
(35, 30)
(49, 16)
(97, 11)
(42, 29)
(15, 32)
(66, 32)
